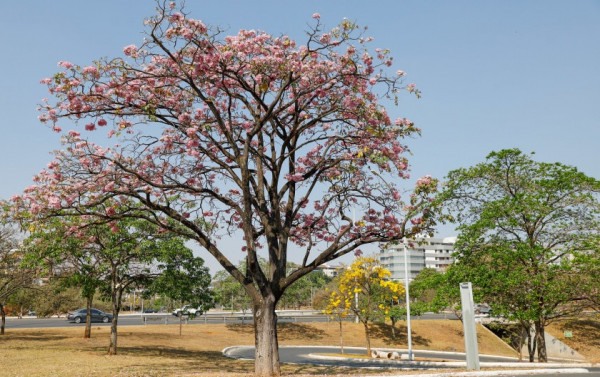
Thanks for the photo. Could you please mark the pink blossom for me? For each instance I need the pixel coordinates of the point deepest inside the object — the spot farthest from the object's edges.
(102, 122)
(90, 70)
(295, 178)
(90, 127)
(316, 16)
(109, 187)
(130, 50)
(65, 64)
(424, 181)
(325, 38)
(54, 202)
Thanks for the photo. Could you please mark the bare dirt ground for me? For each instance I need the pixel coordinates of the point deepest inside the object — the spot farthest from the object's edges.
(158, 350)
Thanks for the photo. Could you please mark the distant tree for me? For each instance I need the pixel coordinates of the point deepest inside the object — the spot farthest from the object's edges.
(300, 294)
(129, 251)
(436, 291)
(523, 224)
(424, 287)
(24, 300)
(13, 276)
(397, 312)
(230, 294)
(365, 285)
(183, 277)
(54, 298)
(113, 256)
(66, 256)
(587, 274)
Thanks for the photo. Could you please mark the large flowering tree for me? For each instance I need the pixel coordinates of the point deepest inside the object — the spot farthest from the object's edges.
(285, 146)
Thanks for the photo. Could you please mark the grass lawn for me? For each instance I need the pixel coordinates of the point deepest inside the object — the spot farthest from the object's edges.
(158, 350)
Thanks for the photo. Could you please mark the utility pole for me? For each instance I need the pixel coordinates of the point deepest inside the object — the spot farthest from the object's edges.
(409, 335)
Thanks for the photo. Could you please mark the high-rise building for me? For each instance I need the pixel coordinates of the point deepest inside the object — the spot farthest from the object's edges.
(423, 252)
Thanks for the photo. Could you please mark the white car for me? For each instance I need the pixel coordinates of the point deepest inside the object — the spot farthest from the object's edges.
(187, 310)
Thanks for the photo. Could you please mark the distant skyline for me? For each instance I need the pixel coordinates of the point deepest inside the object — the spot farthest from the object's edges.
(494, 74)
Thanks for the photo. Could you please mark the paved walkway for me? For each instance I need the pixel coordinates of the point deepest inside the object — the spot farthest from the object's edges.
(318, 355)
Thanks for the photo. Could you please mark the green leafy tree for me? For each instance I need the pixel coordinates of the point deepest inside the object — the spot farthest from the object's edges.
(24, 300)
(523, 224)
(66, 256)
(426, 289)
(13, 276)
(183, 278)
(56, 299)
(109, 255)
(301, 293)
(129, 251)
(229, 293)
(588, 271)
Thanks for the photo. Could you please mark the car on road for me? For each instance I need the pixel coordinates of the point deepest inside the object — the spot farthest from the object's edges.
(97, 315)
(483, 309)
(187, 310)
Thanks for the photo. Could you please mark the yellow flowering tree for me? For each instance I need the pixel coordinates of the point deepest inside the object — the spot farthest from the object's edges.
(366, 286)
(338, 307)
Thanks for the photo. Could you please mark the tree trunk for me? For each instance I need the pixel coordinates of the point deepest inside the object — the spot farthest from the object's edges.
(3, 320)
(266, 363)
(341, 336)
(540, 337)
(531, 345)
(88, 318)
(368, 337)
(116, 308)
(393, 320)
(522, 336)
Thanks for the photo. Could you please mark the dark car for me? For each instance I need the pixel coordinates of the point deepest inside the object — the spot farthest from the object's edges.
(79, 315)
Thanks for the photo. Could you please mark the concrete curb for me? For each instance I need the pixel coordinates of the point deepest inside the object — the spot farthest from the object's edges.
(528, 372)
(455, 364)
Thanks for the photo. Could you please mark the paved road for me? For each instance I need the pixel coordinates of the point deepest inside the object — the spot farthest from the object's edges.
(166, 318)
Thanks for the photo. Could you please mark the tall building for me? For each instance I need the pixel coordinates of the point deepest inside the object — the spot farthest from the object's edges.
(423, 252)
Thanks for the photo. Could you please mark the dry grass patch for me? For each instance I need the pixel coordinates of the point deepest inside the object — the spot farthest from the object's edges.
(158, 350)
(586, 335)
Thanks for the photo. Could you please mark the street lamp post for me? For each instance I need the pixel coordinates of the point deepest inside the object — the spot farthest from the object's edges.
(410, 352)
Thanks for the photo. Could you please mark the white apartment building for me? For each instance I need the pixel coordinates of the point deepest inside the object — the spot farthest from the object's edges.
(423, 252)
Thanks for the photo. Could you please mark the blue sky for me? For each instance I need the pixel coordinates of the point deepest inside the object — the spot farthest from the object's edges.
(494, 74)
